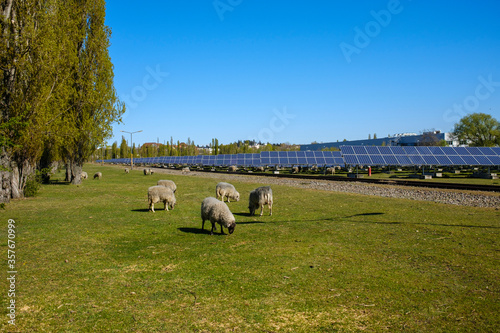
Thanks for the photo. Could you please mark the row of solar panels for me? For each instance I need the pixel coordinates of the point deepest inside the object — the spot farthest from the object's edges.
(419, 155)
(349, 155)
(284, 158)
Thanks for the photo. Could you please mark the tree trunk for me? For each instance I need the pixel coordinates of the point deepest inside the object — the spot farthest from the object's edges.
(76, 173)
(19, 176)
(68, 172)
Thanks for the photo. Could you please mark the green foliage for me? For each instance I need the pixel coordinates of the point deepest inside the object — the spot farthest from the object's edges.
(34, 183)
(480, 129)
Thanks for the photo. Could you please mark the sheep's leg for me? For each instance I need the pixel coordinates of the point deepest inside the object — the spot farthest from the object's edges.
(270, 209)
(166, 205)
(222, 230)
(213, 227)
(261, 210)
(152, 207)
(203, 224)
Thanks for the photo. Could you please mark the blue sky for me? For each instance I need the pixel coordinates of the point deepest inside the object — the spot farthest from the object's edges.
(301, 71)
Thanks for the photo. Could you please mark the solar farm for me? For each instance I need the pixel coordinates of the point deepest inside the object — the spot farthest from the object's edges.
(347, 156)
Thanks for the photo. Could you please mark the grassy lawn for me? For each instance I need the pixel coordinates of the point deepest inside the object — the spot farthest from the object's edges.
(91, 258)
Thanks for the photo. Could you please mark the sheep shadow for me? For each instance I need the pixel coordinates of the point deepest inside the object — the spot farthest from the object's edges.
(199, 231)
(142, 210)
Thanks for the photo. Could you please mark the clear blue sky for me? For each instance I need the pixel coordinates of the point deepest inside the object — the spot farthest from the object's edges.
(301, 71)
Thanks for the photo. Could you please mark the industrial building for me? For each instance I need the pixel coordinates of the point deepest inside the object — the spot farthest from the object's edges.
(433, 138)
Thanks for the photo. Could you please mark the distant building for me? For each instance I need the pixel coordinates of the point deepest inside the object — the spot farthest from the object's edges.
(403, 139)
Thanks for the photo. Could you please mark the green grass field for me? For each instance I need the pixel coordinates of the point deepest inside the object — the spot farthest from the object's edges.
(91, 258)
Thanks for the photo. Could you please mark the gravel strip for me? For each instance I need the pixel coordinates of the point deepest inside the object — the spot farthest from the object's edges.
(453, 197)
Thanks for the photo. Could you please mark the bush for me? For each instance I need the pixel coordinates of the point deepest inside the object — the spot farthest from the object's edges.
(33, 184)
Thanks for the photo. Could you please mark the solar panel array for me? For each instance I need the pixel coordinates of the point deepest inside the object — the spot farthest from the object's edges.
(283, 158)
(420, 155)
(349, 155)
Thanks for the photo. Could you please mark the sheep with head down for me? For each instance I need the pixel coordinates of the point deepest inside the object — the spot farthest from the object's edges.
(260, 197)
(217, 212)
(160, 194)
(223, 190)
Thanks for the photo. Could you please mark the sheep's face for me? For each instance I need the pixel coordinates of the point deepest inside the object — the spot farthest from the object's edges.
(231, 228)
(252, 209)
(172, 205)
(236, 197)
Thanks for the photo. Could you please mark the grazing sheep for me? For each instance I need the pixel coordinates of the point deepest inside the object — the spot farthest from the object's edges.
(232, 168)
(168, 184)
(260, 169)
(98, 175)
(126, 170)
(295, 169)
(330, 171)
(259, 197)
(160, 194)
(185, 170)
(217, 212)
(226, 190)
(84, 175)
(148, 172)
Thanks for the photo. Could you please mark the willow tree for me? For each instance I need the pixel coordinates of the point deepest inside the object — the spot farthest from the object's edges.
(92, 104)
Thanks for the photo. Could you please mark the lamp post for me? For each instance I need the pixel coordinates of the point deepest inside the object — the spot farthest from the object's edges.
(131, 147)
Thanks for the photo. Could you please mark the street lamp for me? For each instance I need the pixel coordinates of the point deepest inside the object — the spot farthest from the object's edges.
(131, 146)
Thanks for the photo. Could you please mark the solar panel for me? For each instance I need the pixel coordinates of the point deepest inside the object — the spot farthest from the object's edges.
(403, 160)
(470, 160)
(443, 160)
(351, 159)
(385, 150)
(449, 151)
(397, 150)
(416, 159)
(364, 159)
(483, 160)
(462, 151)
(424, 150)
(496, 150)
(359, 150)
(494, 159)
(456, 160)
(372, 150)
(378, 160)
(347, 150)
(410, 150)
(390, 160)
(436, 151)
(430, 160)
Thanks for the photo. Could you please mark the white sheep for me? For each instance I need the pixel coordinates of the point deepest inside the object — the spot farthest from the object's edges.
(330, 170)
(295, 169)
(232, 168)
(160, 194)
(126, 170)
(223, 190)
(97, 175)
(185, 170)
(148, 172)
(217, 212)
(84, 175)
(258, 198)
(167, 183)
